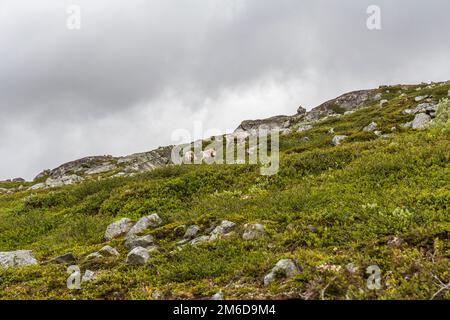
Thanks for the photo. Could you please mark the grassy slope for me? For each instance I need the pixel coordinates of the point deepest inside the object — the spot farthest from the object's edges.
(357, 196)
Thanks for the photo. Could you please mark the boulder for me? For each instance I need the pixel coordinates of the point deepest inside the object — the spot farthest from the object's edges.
(420, 121)
(304, 127)
(118, 228)
(66, 258)
(138, 256)
(284, 268)
(19, 258)
(395, 242)
(253, 231)
(420, 98)
(18, 180)
(371, 127)
(152, 220)
(108, 251)
(337, 140)
(133, 241)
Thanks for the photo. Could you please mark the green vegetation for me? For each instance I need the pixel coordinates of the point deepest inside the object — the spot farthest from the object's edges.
(327, 206)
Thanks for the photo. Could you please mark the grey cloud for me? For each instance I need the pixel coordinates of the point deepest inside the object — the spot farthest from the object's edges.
(138, 69)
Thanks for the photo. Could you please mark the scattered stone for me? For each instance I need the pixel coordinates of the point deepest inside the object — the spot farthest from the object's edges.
(378, 133)
(200, 240)
(394, 129)
(420, 121)
(118, 228)
(224, 228)
(218, 296)
(149, 221)
(134, 241)
(284, 267)
(156, 295)
(383, 103)
(66, 258)
(88, 276)
(337, 140)
(395, 242)
(312, 228)
(94, 256)
(138, 256)
(109, 251)
(331, 131)
(420, 98)
(19, 258)
(191, 232)
(371, 127)
(253, 231)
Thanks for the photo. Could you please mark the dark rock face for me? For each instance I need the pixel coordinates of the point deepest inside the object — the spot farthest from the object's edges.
(65, 259)
(277, 122)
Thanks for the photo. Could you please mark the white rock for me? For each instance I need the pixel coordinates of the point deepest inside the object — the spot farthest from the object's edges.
(19, 258)
(138, 256)
(109, 251)
(337, 140)
(94, 256)
(285, 267)
(88, 276)
(383, 103)
(199, 240)
(152, 220)
(218, 296)
(420, 121)
(37, 186)
(371, 127)
(63, 181)
(253, 231)
(224, 228)
(191, 232)
(118, 228)
(133, 241)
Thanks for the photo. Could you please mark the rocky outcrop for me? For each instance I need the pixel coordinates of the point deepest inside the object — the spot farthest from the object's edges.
(15, 259)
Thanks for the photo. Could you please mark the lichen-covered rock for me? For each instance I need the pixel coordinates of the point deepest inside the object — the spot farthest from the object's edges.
(420, 121)
(337, 140)
(253, 231)
(152, 220)
(94, 256)
(118, 228)
(370, 127)
(133, 241)
(63, 181)
(88, 276)
(224, 228)
(138, 256)
(191, 232)
(19, 258)
(201, 239)
(108, 251)
(284, 268)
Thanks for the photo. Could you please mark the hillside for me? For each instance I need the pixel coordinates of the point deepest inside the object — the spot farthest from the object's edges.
(364, 180)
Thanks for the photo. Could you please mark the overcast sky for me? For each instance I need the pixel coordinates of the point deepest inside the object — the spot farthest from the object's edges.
(139, 69)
